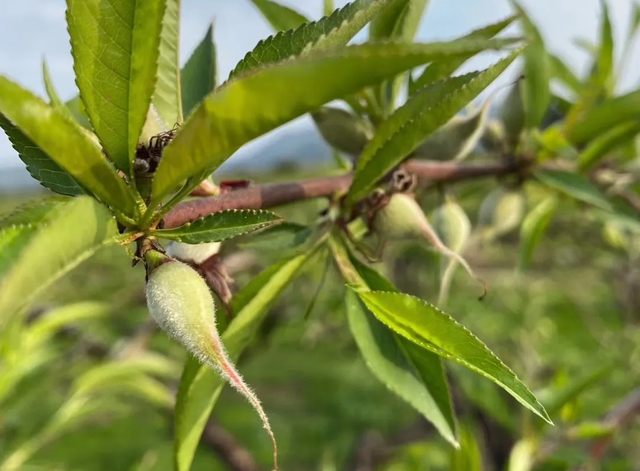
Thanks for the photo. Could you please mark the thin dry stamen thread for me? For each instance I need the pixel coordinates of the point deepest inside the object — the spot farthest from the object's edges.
(432, 237)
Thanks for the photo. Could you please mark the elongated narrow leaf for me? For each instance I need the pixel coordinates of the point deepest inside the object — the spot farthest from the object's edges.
(442, 69)
(200, 386)
(199, 75)
(533, 229)
(606, 116)
(76, 107)
(54, 99)
(33, 212)
(115, 47)
(256, 103)
(329, 32)
(456, 139)
(66, 144)
(575, 186)
(604, 68)
(468, 457)
(54, 250)
(17, 228)
(423, 114)
(537, 72)
(280, 17)
(607, 142)
(432, 329)
(400, 21)
(561, 71)
(219, 226)
(414, 374)
(328, 7)
(13, 239)
(39, 165)
(167, 95)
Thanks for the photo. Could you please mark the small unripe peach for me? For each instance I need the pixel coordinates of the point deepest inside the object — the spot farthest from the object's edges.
(180, 302)
(403, 219)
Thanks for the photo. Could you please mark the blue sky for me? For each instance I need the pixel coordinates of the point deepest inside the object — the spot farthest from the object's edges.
(33, 29)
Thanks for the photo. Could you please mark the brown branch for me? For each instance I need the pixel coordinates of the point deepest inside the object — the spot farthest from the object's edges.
(621, 415)
(266, 196)
(373, 450)
(230, 452)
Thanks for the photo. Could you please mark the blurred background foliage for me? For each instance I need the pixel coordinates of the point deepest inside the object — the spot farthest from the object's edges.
(90, 384)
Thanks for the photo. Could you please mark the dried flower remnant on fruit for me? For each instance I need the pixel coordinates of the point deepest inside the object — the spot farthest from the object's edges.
(180, 302)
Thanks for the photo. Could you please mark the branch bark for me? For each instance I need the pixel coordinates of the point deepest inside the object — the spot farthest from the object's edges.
(267, 196)
(230, 452)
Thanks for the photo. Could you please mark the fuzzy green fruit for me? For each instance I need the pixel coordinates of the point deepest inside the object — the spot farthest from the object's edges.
(401, 219)
(341, 129)
(501, 212)
(180, 302)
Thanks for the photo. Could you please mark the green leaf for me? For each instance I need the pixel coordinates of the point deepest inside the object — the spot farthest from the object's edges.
(607, 142)
(76, 107)
(13, 239)
(533, 229)
(606, 116)
(562, 72)
(400, 21)
(67, 145)
(280, 238)
(257, 103)
(280, 18)
(604, 69)
(432, 329)
(41, 330)
(574, 185)
(115, 47)
(167, 94)
(39, 165)
(199, 74)
(33, 212)
(17, 227)
(219, 226)
(327, 33)
(54, 250)
(50, 89)
(456, 139)
(328, 7)
(420, 116)
(414, 374)
(200, 386)
(468, 457)
(537, 71)
(442, 69)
